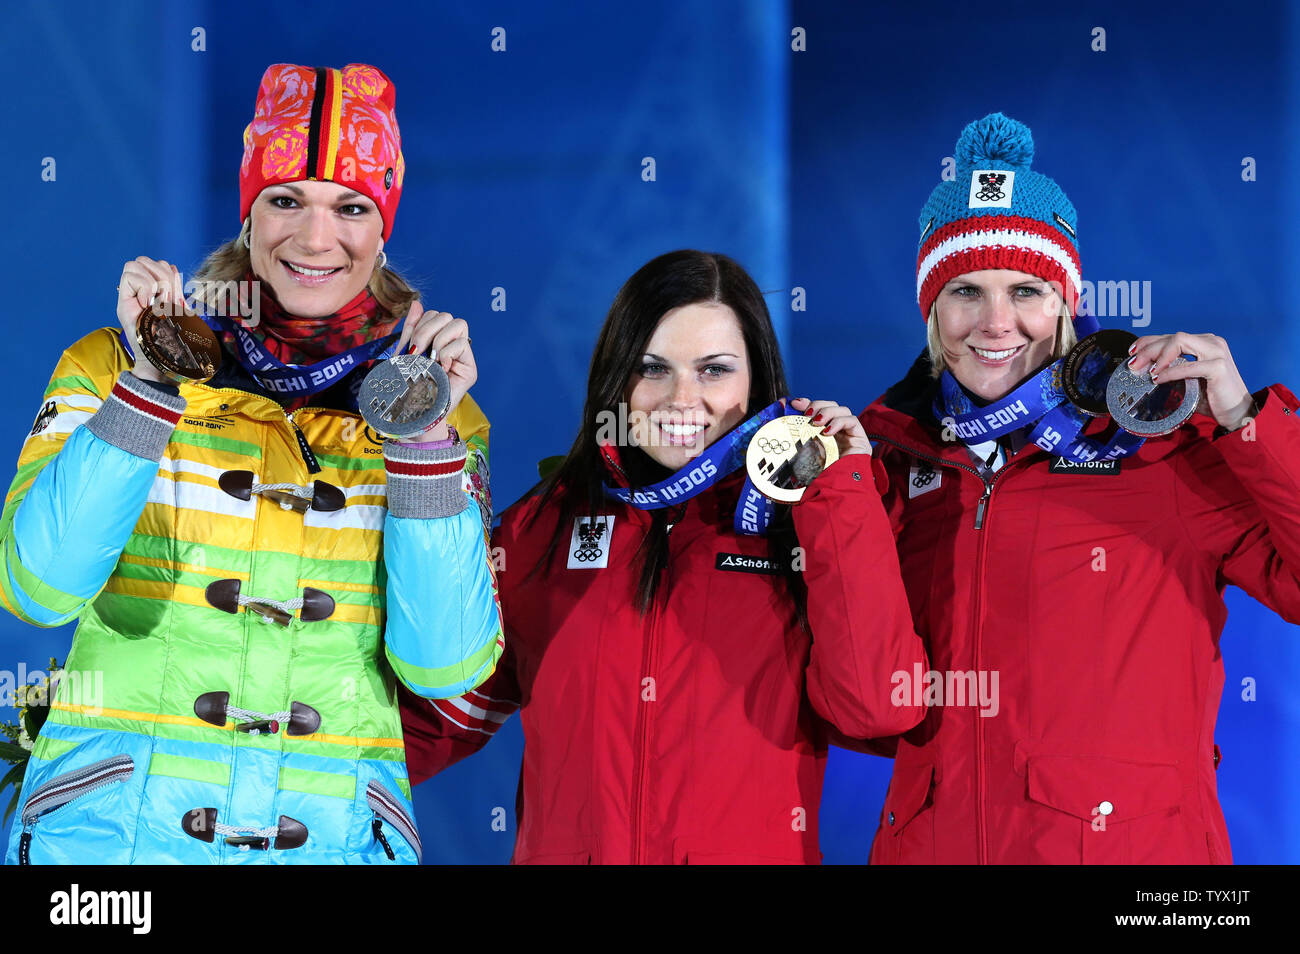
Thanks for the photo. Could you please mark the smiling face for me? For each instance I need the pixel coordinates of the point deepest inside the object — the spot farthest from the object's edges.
(996, 327)
(315, 243)
(692, 386)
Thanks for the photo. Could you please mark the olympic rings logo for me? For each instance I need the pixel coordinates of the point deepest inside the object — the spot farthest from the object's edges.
(768, 446)
(587, 555)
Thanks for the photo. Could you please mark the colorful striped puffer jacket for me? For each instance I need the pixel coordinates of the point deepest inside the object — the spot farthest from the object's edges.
(250, 585)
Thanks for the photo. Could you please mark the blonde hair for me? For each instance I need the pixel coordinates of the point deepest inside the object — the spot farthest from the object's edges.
(231, 263)
(1065, 338)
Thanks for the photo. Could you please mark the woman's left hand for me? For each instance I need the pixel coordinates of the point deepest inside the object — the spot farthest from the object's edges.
(1224, 395)
(840, 423)
(448, 338)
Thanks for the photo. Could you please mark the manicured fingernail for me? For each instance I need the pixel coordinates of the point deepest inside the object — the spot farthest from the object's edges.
(1133, 347)
(826, 428)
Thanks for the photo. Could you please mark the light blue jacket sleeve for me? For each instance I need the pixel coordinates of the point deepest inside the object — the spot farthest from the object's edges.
(83, 480)
(443, 633)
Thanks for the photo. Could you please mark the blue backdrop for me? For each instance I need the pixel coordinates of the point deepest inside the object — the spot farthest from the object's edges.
(525, 172)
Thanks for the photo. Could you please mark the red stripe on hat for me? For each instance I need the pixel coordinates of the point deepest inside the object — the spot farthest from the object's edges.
(981, 257)
(997, 223)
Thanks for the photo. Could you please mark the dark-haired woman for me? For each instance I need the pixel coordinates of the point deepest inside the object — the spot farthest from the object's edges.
(678, 678)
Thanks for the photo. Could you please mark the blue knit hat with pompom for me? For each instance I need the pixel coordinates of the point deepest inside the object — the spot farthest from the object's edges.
(997, 213)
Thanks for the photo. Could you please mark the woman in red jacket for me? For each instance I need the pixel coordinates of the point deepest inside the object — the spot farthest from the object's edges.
(678, 679)
(1066, 576)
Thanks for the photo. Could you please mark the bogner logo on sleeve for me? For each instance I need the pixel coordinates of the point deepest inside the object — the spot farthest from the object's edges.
(589, 545)
(1060, 465)
(740, 563)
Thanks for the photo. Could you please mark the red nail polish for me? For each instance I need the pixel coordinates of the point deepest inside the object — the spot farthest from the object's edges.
(826, 428)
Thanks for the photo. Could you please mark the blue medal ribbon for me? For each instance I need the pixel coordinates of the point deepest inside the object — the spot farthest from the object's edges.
(295, 381)
(754, 512)
(1040, 401)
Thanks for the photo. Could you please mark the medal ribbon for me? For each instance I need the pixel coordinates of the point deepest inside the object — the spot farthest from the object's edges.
(288, 379)
(753, 511)
(1040, 401)
(295, 381)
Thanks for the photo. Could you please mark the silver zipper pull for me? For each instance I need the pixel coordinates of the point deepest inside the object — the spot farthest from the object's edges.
(983, 504)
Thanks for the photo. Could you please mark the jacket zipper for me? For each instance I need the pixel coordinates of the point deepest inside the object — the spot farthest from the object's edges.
(981, 781)
(388, 809)
(68, 787)
(649, 658)
(308, 457)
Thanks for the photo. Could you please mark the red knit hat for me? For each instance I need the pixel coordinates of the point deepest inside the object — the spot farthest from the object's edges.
(324, 124)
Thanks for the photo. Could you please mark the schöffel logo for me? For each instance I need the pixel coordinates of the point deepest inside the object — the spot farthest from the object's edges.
(741, 563)
(1060, 465)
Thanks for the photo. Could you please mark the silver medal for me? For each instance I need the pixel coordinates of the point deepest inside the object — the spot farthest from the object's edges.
(1142, 406)
(404, 396)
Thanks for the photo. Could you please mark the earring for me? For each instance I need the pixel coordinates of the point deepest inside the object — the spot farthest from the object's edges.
(247, 233)
(382, 261)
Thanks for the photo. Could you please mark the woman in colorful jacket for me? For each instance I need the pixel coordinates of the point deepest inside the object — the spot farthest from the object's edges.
(1067, 578)
(250, 564)
(679, 678)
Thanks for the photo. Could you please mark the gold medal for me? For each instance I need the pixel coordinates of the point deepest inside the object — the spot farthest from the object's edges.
(786, 454)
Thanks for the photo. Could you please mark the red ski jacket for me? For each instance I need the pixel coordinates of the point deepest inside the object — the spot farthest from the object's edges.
(1096, 599)
(697, 733)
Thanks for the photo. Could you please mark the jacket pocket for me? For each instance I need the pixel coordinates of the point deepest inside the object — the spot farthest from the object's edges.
(1120, 811)
(389, 811)
(686, 853)
(63, 790)
(902, 838)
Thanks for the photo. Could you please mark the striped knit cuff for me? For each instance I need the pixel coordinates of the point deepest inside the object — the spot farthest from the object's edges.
(137, 418)
(425, 482)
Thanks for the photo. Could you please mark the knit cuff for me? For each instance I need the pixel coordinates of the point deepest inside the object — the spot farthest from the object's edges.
(425, 482)
(137, 418)
(166, 387)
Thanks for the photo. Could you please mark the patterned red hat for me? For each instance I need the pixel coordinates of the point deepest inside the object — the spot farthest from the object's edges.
(324, 124)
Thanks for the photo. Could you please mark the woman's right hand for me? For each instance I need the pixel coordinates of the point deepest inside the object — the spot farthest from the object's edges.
(143, 280)
(840, 423)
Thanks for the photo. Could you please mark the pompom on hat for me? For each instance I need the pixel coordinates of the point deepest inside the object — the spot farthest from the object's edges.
(325, 124)
(997, 213)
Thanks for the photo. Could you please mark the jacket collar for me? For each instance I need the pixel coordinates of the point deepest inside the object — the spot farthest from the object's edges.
(904, 415)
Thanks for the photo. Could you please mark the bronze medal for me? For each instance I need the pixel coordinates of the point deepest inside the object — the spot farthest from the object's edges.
(785, 455)
(1086, 370)
(182, 347)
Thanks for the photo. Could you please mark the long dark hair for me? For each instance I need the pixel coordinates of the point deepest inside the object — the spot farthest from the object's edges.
(673, 280)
